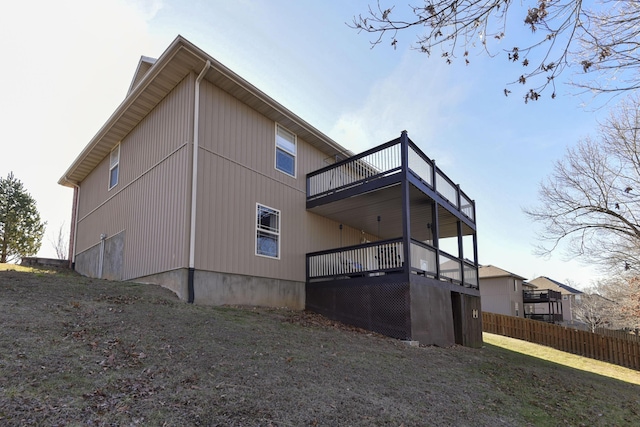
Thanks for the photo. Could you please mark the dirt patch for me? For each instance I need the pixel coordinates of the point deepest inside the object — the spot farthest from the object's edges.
(80, 351)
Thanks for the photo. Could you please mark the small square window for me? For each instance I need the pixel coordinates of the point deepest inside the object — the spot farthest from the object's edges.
(268, 232)
(286, 149)
(114, 166)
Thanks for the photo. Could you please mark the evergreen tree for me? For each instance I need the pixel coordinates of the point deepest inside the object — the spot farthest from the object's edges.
(21, 229)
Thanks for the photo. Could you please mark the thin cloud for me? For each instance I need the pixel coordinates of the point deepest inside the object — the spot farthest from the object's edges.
(418, 96)
(71, 63)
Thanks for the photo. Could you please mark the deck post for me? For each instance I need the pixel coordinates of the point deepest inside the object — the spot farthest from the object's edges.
(406, 211)
(435, 236)
(460, 247)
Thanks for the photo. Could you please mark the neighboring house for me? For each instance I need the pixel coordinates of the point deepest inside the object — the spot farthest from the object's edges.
(501, 291)
(507, 293)
(203, 184)
(569, 295)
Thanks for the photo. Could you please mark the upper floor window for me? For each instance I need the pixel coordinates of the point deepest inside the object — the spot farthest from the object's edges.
(285, 151)
(114, 166)
(268, 232)
(515, 285)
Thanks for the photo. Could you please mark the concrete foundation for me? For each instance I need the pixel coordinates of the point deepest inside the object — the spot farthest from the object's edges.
(88, 262)
(104, 260)
(44, 262)
(233, 289)
(113, 261)
(432, 316)
(213, 288)
(445, 314)
(174, 280)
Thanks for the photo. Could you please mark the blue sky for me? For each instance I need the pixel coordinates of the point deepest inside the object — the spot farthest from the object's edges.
(68, 65)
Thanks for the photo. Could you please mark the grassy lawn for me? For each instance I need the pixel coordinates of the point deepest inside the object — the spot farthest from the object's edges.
(16, 267)
(562, 358)
(80, 351)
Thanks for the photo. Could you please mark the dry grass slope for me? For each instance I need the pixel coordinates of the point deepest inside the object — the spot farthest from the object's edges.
(79, 351)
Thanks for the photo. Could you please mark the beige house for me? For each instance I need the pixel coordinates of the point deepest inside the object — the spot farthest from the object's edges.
(501, 291)
(201, 183)
(507, 293)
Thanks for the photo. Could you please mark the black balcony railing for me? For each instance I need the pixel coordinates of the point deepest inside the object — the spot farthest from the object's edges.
(546, 317)
(356, 261)
(386, 257)
(541, 295)
(382, 162)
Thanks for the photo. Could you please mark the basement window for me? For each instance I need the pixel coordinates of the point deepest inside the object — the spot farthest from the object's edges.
(268, 232)
(114, 166)
(286, 151)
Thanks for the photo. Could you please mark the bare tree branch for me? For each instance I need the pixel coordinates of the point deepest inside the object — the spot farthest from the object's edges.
(60, 242)
(601, 43)
(592, 199)
(594, 310)
(625, 293)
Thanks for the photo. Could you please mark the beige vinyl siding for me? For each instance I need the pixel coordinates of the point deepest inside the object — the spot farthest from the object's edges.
(151, 201)
(233, 130)
(225, 241)
(236, 171)
(496, 296)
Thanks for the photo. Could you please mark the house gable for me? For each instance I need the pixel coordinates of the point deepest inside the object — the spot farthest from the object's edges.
(144, 65)
(544, 282)
(151, 86)
(490, 271)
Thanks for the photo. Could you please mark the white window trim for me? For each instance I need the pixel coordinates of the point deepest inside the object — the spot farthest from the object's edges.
(113, 166)
(295, 155)
(278, 234)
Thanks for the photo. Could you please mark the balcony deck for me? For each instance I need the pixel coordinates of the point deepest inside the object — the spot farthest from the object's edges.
(542, 295)
(545, 317)
(363, 189)
(548, 305)
(394, 276)
(386, 257)
(381, 167)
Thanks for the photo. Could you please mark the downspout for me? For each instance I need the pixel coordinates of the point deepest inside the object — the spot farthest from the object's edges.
(194, 184)
(73, 238)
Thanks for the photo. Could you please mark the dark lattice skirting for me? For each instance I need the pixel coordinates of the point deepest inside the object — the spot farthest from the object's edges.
(382, 308)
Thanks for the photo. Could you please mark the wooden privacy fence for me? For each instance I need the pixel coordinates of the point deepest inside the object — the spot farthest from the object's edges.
(595, 346)
(625, 335)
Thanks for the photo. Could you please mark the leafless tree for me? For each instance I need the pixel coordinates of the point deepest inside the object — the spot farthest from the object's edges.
(60, 242)
(592, 198)
(600, 41)
(625, 313)
(594, 310)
